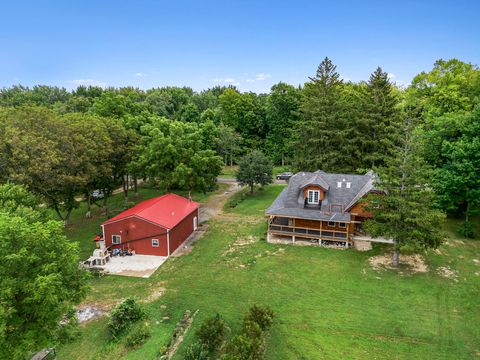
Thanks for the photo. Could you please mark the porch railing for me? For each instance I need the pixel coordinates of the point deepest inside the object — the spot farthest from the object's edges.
(290, 230)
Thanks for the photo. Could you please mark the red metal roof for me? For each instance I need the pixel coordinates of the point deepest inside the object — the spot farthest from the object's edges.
(167, 210)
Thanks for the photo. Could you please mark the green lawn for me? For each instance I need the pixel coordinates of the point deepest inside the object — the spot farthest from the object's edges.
(328, 304)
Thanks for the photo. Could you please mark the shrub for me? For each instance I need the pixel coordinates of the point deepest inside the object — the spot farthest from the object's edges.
(263, 316)
(123, 316)
(244, 347)
(138, 335)
(212, 333)
(250, 343)
(196, 351)
(235, 200)
(68, 329)
(467, 230)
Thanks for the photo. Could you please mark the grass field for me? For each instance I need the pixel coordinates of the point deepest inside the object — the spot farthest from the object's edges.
(328, 304)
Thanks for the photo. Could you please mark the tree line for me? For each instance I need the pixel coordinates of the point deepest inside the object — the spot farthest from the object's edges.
(61, 143)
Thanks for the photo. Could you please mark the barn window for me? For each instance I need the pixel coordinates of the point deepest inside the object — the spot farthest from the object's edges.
(155, 243)
(195, 223)
(342, 225)
(116, 239)
(313, 196)
(331, 223)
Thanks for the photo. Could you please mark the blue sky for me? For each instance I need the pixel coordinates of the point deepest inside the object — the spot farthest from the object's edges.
(252, 44)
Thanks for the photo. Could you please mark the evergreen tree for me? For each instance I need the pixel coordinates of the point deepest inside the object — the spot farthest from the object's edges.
(376, 128)
(405, 211)
(320, 136)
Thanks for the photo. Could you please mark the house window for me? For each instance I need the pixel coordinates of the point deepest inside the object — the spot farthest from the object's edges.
(116, 239)
(331, 223)
(339, 184)
(313, 196)
(349, 185)
(155, 243)
(342, 225)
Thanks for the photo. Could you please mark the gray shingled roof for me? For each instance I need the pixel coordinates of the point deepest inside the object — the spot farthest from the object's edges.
(338, 200)
(316, 179)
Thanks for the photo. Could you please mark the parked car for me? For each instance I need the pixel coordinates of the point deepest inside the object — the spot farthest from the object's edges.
(98, 194)
(284, 176)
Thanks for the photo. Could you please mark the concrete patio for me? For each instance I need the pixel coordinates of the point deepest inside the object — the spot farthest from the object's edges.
(137, 265)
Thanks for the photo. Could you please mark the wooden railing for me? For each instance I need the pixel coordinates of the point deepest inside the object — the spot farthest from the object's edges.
(308, 232)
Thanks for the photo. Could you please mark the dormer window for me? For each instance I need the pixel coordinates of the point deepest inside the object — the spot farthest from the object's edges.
(349, 185)
(339, 184)
(313, 197)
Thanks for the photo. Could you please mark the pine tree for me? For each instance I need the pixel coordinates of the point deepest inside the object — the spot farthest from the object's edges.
(405, 211)
(376, 128)
(320, 136)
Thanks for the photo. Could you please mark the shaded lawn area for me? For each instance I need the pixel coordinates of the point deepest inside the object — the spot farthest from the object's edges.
(82, 230)
(228, 172)
(244, 203)
(328, 304)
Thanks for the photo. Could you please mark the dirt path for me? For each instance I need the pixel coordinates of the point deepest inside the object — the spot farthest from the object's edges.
(214, 206)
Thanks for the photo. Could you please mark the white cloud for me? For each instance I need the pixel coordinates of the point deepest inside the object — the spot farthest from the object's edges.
(139, 74)
(262, 76)
(259, 77)
(230, 81)
(391, 76)
(88, 82)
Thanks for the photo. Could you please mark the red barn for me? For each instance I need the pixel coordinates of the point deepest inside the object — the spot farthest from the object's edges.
(154, 227)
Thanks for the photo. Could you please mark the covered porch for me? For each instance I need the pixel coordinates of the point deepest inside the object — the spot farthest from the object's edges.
(312, 231)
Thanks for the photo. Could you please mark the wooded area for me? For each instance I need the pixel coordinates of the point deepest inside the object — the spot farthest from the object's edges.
(64, 143)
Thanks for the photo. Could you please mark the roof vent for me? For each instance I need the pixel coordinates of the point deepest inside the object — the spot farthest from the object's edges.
(173, 213)
(344, 180)
(349, 185)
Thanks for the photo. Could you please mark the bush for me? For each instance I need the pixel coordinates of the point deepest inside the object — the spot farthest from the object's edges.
(263, 316)
(467, 230)
(138, 335)
(244, 347)
(124, 316)
(235, 200)
(250, 343)
(68, 329)
(196, 351)
(212, 333)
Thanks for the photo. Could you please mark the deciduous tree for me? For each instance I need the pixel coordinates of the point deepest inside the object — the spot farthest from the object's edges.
(39, 275)
(254, 168)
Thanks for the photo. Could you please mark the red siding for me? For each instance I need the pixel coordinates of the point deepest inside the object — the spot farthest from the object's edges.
(140, 234)
(182, 231)
(137, 234)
